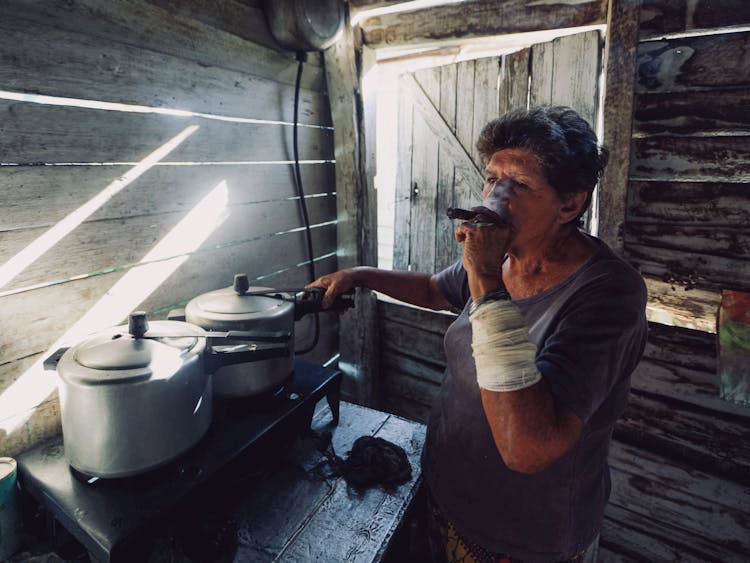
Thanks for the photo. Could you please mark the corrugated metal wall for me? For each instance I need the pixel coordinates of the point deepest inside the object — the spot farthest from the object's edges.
(144, 205)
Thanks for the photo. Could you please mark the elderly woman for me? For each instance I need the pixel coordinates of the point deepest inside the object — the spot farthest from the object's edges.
(539, 360)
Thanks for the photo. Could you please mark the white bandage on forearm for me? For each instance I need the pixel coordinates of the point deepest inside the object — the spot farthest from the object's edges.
(503, 353)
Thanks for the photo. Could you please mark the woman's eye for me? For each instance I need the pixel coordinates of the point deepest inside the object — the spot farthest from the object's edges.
(508, 182)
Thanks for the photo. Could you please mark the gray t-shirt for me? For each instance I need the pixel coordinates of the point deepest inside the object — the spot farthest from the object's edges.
(590, 331)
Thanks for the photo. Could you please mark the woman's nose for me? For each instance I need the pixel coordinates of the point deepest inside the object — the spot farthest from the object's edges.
(496, 198)
(498, 189)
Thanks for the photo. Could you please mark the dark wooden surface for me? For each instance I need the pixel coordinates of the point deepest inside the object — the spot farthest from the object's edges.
(286, 512)
(292, 517)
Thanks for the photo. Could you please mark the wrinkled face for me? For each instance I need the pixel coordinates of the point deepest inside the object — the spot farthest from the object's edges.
(516, 189)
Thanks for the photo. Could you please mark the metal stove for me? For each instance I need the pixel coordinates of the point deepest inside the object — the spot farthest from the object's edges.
(110, 517)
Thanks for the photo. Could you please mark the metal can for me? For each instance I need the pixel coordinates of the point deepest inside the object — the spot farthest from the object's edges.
(10, 511)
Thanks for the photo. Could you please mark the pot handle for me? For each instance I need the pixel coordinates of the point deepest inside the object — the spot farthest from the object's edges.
(281, 336)
(176, 315)
(216, 359)
(50, 363)
(310, 300)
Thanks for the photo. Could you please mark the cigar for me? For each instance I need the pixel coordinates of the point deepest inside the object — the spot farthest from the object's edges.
(480, 218)
(462, 214)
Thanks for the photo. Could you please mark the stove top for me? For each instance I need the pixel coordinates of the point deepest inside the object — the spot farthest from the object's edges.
(109, 515)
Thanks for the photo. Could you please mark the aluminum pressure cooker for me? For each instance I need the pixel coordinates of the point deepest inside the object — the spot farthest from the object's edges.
(136, 396)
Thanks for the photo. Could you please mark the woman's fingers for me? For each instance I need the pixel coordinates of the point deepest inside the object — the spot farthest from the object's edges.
(335, 284)
(483, 246)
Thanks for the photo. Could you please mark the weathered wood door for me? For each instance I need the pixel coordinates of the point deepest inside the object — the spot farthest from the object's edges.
(441, 112)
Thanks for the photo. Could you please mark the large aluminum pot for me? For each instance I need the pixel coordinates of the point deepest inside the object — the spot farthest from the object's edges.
(244, 308)
(135, 397)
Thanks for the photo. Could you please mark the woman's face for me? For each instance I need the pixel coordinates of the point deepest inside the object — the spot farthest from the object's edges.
(516, 189)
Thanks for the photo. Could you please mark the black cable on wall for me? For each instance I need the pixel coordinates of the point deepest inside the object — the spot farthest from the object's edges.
(301, 58)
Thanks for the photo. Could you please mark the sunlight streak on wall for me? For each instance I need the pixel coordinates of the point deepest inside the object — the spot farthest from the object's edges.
(134, 108)
(52, 236)
(36, 384)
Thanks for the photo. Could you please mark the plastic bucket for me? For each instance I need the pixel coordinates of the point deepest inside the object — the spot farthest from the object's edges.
(10, 512)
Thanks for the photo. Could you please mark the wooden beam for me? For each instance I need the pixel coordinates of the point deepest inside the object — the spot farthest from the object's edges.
(478, 18)
(360, 5)
(40, 133)
(661, 17)
(356, 208)
(708, 159)
(705, 112)
(679, 305)
(690, 267)
(619, 67)
(717, 204)
(356, 202)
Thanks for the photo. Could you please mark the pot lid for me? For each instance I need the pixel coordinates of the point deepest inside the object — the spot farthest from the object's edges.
(120, 350)
(226, 301)
(241, 301)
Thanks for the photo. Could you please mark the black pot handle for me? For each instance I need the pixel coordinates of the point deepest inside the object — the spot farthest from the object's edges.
(281, 336)
(215, 359)
(310, 300)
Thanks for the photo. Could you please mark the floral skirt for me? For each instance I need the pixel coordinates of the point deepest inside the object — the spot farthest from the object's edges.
(446, 545)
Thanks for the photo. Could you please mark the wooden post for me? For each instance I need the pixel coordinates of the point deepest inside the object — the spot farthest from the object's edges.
(619, 67)
(356, 207)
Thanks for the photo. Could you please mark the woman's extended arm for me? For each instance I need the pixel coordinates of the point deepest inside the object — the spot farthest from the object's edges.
(411, 287)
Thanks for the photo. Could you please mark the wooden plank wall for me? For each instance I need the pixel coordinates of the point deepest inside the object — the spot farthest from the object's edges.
(680, 458)
(689, 205)
(412, 361)
(218, 64)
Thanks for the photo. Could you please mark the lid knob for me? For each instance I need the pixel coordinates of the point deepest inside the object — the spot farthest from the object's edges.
(137, 324)
(241, 284)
